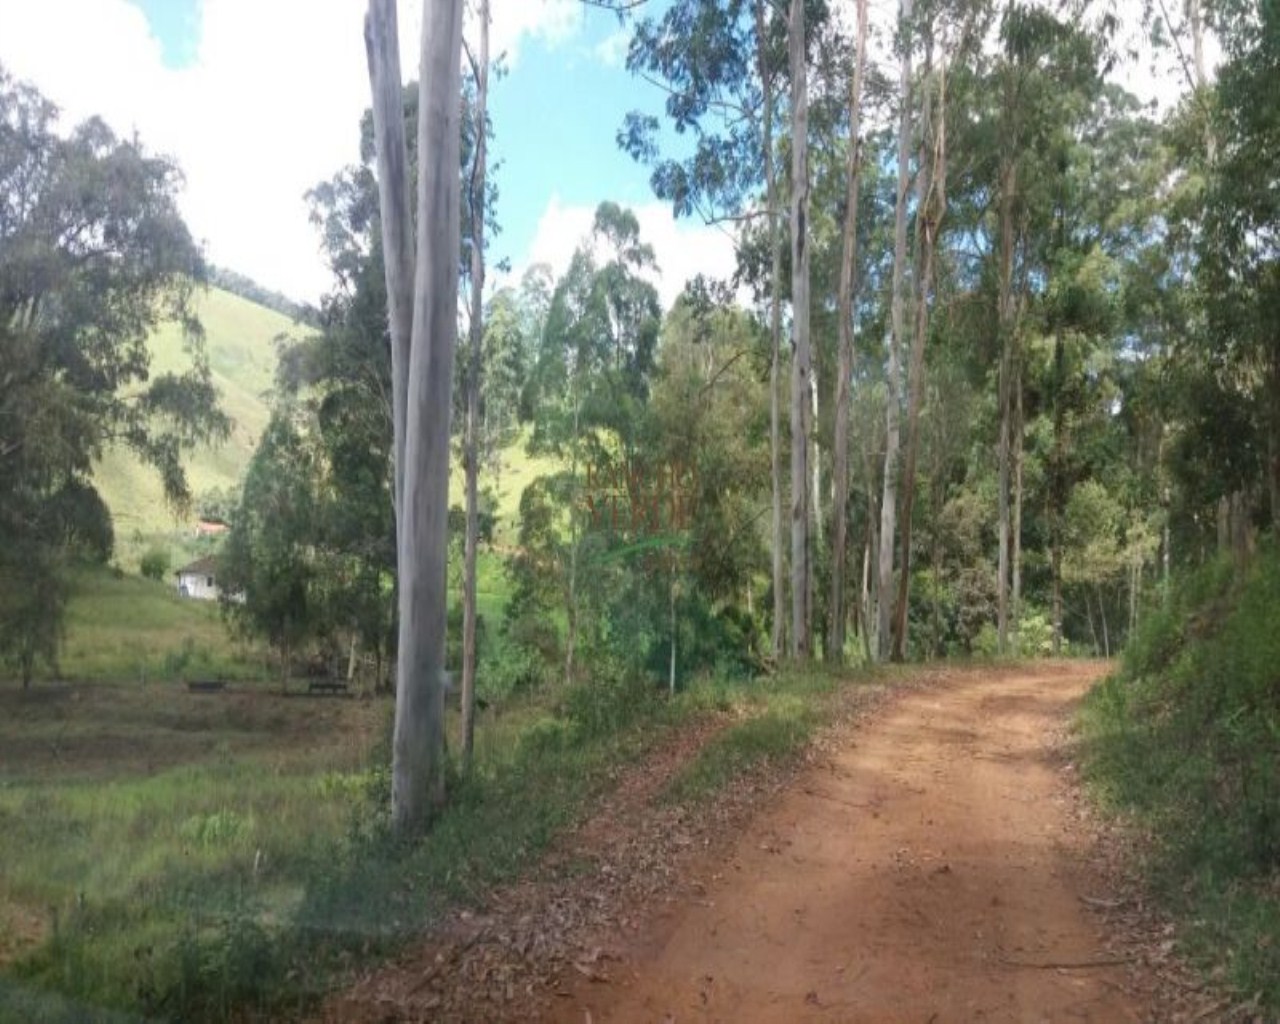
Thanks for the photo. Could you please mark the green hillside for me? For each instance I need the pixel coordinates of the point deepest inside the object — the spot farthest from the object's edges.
(240, 340)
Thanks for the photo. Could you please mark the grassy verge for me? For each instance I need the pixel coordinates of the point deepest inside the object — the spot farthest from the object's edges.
(249, 872)
(126, 628)
(773, 723)
(1186, 739)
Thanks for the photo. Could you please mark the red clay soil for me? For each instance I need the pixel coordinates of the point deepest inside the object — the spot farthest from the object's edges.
(930, 871)
(931, 859)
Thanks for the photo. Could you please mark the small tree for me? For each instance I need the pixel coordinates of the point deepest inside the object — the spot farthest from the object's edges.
(267, 567)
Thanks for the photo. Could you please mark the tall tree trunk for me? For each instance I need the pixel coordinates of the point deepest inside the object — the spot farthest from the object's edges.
(381, 40)
(471, 455)
(1273, 441)
(801, 365)
(869, 584)
(935, 647)
(417, 776)
(1057, 490)
(931, 206)
(571, 594)
(897, 339)
(775, 335)
(865, 602)
(1007, 327)
(1057, 485)
(1106, 635)
(1135, 582)
(1015, 601)
(1056, 556)
(844, 361)
(671, 678)
(1166, 550)
(815, 468)
(1195, 20)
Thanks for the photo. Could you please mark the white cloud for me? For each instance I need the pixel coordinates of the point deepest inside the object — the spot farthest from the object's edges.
(551, 21)
(611, 51)
(269, 106)
(683, 249)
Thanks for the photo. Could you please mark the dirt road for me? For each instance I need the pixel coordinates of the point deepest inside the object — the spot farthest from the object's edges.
(928, 873)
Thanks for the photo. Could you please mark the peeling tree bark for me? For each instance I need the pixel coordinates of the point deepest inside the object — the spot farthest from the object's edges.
(844, 362)
(1019, 461)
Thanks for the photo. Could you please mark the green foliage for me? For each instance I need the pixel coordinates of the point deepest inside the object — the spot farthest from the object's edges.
(1187, 735)
(34, 588)
(93, 255)
(154, 564)
(986, 643)
(240, 345)
(267, 571)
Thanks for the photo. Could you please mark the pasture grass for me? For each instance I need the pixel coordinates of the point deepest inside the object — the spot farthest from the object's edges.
(196, 857)
(122, 627)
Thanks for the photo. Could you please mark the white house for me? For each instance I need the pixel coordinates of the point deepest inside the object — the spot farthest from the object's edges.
(199, 579)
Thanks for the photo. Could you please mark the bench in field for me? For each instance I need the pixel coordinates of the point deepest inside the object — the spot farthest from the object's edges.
(206, 685)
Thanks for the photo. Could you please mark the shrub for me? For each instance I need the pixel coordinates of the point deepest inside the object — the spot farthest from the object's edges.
(154, 564)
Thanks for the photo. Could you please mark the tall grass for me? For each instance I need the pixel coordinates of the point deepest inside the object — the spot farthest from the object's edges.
(1187, 738)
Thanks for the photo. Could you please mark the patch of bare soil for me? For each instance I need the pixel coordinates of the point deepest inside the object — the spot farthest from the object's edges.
(930, 862)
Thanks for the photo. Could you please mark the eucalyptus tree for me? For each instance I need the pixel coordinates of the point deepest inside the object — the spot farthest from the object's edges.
(802, 355)
(1239, 251)
(844, 363)
(720, 65)
(589, 381)
(423, 320)
(94, 255)
(477, 197)
(1039, 82)
(897, 342)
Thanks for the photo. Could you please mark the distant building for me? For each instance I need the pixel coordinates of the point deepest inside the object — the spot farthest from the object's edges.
(199, 580)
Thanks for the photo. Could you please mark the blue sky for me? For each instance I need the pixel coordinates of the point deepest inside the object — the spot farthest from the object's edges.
(258, 100)
(176, 24)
